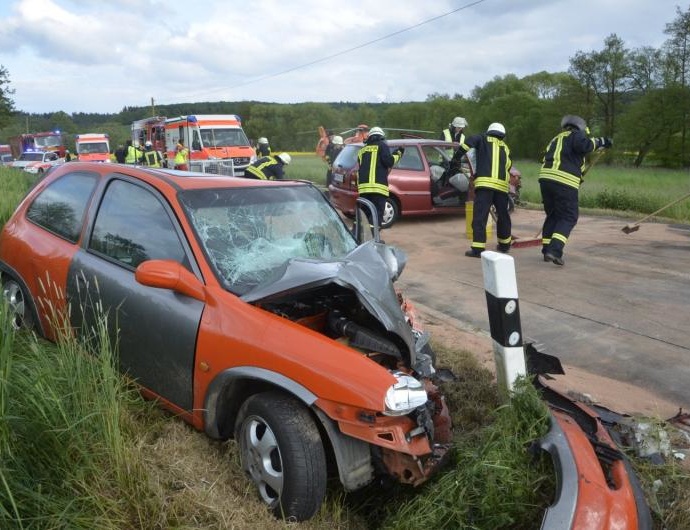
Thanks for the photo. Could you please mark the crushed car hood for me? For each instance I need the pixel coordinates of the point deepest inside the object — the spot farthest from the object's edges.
(369, 271)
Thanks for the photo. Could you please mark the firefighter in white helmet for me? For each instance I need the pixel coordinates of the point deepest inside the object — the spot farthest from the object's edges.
(268, 167)
(455, 130)
(332, 151)
(263, 148)
(491, 186)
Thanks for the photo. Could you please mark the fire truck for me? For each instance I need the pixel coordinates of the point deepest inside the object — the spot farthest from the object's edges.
(150, 130)
(92, 147)
(43, 141)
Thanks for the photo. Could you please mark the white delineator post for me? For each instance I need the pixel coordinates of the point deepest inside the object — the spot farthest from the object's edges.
(500, 285)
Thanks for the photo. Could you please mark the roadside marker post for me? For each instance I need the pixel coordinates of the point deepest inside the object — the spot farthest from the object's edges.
(500, 285)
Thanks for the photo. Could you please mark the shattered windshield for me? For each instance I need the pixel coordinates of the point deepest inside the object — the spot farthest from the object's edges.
(249, 233)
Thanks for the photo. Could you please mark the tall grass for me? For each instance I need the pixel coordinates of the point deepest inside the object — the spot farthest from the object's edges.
(623, 189)
(13, 186)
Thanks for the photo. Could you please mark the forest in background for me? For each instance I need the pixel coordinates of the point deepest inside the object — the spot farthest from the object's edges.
(640, 97)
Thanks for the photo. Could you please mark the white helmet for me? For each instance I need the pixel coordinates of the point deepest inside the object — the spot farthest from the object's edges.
(338, 140)
(496, 129)
(263, 140)
(459, 122)
(377, 131)
(571, 120)
(285, 158)
(148, 143)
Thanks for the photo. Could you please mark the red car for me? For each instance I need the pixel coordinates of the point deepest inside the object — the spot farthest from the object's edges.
(245, 307)
(419, 184)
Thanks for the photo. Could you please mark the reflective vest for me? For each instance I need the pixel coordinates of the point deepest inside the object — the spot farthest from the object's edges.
(181, 155)
(132, 156)
(564, 160)
(152, 159)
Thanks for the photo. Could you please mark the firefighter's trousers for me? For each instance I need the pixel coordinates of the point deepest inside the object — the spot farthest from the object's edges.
(483, 199)
(561, 208)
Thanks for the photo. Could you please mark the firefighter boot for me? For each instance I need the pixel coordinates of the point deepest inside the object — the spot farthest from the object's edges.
(473, 253)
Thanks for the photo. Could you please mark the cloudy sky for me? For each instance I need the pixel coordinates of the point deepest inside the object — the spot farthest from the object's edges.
(103, 55)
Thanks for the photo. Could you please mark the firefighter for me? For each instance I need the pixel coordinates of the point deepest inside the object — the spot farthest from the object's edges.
(152, 158)
(332, 151)
(454, 132)
(491, 181)
(132, 153)
(263, 148)
(181, 156)
(268, 167)
(375, 162)
(560, 177)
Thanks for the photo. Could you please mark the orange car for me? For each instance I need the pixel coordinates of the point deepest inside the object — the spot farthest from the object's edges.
(248, 309)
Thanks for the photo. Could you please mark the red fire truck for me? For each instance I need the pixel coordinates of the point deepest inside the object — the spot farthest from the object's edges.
(42, 141)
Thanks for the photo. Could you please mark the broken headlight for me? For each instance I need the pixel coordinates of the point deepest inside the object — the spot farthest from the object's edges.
(404, 396)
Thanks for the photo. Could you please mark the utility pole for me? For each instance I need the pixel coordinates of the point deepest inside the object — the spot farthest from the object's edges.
(153, 108)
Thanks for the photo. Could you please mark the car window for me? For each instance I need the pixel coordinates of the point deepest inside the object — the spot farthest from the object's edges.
(60, 207)
(347, 159)
(410, 159)
(132, 226)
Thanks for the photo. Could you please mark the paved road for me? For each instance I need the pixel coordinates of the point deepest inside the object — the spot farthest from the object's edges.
(620, 306)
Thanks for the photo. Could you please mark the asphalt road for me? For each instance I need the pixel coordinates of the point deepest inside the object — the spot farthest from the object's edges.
(620, 307)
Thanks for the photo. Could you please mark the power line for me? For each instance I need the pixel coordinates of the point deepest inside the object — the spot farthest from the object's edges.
(346, 51)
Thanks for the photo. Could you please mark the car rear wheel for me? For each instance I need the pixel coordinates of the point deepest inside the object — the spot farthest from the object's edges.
(391, 212)
(281, 451)
(20, 312)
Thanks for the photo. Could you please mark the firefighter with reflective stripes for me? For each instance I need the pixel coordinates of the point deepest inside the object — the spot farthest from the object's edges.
(152, 158)
(454, 132)
(375, 162)
(559, 180)
(491, 186)
(268, 167)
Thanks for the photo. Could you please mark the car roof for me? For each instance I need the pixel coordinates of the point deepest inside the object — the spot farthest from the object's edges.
(179, 180)
(411, 141)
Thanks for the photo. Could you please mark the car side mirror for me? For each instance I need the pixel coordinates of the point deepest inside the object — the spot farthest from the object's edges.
(169, 274)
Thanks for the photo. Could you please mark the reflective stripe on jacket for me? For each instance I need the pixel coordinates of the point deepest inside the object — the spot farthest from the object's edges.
(564, 159)
(152, 159)
(375, 161)
(493, 161)
(266, 168)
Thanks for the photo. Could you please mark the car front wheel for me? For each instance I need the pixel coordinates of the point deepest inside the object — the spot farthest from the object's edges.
(391, 212)
(282, 452)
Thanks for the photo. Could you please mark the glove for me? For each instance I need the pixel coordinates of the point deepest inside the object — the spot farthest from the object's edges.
(605, 142)
(400, 151)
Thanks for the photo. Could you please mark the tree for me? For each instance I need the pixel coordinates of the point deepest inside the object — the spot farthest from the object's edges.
(6, 103)
(606, 75)
(678, 57)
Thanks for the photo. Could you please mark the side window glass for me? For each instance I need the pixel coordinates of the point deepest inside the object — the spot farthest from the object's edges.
(132, 226)
(60, 207)
(410, 160)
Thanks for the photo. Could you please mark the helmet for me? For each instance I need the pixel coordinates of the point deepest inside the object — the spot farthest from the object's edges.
(496, 129)
(377, 131)
(338, 140)
(459, 122)
(263, 140)
(571, 120)
(148, 143)
(285, 158)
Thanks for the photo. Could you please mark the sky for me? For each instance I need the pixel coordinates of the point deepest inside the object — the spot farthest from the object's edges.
(103, 55)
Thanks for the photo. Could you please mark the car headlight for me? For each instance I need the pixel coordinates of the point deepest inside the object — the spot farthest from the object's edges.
(404, 396)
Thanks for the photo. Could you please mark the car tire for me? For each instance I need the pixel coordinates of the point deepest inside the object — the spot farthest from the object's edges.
(18, 304)
(282, 452)
(391, 212)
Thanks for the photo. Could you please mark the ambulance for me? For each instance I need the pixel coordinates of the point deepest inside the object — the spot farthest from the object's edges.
(92, 147)
(216, 142)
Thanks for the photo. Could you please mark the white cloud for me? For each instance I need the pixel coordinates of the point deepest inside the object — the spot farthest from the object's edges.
(85, 55)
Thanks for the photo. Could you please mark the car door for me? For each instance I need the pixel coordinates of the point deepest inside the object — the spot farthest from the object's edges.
(154, 329)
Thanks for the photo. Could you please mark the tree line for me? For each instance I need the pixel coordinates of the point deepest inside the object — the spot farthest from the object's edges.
(639, 97)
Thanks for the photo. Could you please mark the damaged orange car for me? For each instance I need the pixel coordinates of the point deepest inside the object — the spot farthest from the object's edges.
(245, 307)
